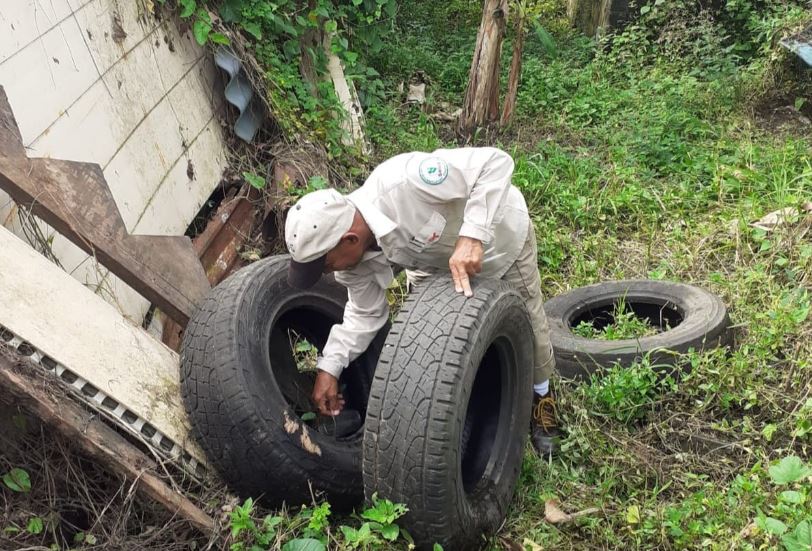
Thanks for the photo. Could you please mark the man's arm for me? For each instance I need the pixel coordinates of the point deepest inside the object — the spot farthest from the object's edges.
(365, 314)
(487, 192)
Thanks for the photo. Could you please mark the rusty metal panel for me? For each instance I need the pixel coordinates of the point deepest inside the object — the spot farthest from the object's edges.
(219, 246)
(75, 200)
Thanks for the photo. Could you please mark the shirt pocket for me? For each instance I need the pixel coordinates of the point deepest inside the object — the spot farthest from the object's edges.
(428, 234)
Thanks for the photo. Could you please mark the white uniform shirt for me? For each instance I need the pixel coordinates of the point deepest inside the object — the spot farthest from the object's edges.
(417, 205)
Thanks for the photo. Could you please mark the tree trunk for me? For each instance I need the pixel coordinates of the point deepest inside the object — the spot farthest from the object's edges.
(515, 70)
(481, 104)
(309, 44)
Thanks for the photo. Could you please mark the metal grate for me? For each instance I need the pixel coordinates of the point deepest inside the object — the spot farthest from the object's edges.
(102, 402)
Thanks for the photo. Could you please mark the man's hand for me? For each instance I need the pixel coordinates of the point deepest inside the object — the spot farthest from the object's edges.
(326, 396)
(465, 262)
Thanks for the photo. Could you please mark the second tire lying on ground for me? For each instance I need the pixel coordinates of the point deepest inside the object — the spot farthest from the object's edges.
(246, 395)
(449, 410)
(688, 318)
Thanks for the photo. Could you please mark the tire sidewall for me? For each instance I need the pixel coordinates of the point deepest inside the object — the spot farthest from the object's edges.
(241, 417)
(704, 325)
(274, 297)
(485, 507)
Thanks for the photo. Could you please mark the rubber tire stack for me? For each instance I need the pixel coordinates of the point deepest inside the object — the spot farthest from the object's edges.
(449, 409)
(690, 318)
(243, 392)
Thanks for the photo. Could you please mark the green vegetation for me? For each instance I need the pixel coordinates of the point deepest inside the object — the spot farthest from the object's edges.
(648, 153)
(285, 37)
(309, 529)
(625, 325)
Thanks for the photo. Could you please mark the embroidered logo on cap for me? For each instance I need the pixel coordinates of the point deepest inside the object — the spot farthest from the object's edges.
(433, 171)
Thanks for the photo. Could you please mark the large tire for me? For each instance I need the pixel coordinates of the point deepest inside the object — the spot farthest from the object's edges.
(244, 392)
(449, 410)
(689, 318)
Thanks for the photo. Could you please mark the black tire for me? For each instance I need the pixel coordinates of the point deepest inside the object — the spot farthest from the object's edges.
(688, 317)
(244, 392)
(449, 410)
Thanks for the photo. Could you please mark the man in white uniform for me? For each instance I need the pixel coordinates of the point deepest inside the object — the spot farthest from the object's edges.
(451, 209)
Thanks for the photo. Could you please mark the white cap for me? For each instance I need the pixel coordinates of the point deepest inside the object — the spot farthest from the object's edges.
(315, 225)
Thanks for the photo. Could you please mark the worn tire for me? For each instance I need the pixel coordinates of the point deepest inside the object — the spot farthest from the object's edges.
(697, 319)
(244, 393)
(449, 410)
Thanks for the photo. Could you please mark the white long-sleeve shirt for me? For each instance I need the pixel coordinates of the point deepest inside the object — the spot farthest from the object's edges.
(417, 205)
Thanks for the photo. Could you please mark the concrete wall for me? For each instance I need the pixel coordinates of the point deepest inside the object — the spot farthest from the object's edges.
(104, 81)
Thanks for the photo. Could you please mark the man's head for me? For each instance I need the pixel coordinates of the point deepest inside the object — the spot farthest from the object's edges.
(324, 233)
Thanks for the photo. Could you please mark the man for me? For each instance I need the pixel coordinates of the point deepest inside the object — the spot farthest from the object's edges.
(451, 209)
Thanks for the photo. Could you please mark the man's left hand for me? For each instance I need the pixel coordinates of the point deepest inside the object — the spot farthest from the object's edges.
(465, 262)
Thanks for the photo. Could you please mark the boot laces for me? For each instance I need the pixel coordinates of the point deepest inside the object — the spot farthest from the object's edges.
(544, 413)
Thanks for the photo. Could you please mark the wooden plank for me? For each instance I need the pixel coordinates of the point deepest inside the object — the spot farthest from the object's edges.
(218, 247)
(77, 328)
(75, 200)
(96, 439)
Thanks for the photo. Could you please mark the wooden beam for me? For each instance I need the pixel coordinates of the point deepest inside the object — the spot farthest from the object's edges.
(75, 200)
(31, 391)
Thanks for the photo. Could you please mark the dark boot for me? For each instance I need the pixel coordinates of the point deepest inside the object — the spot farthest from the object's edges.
(544, 431)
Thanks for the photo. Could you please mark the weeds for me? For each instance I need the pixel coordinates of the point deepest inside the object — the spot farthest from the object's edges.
(309, 529)
(625, 324)
(625, 394)
(650, 154)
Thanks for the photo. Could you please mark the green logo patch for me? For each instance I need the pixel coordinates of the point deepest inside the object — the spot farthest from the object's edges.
(433, 171)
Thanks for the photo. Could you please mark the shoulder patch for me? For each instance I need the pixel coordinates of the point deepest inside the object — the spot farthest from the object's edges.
(433, 171)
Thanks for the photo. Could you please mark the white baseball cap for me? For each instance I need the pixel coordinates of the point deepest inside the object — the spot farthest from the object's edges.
(315, 225)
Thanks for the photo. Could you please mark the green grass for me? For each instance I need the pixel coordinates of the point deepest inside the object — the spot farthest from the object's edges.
(649, 156)
(624, 325)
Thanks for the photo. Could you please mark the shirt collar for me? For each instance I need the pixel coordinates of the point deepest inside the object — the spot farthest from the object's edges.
(378, 222)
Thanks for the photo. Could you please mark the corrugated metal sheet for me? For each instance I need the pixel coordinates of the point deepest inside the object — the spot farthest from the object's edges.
(240, 94)
(801, 45)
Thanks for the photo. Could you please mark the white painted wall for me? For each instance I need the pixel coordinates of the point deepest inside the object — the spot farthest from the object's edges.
(104, 349)
(104, 81)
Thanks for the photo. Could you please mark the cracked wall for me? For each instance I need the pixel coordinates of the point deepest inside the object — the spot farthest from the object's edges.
(105, 81)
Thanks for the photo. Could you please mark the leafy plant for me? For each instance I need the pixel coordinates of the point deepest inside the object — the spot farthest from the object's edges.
(789, 469)
(309, 528)
(35, 526)
(305, 354)
(246, 532)
(254, 180)
(17, 480)
(800, 539)
(626, 393)
(625, 325)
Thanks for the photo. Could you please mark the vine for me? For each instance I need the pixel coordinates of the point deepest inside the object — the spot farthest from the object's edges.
(289, 39)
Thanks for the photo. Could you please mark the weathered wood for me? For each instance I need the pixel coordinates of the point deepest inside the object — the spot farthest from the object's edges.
(515, 68)
(218, 247)
(481, 104)
(75, 200)
(96, 439)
